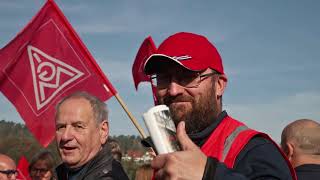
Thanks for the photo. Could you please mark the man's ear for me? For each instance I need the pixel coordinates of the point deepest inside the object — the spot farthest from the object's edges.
(221, 84)
(289, 150)
(104, 131)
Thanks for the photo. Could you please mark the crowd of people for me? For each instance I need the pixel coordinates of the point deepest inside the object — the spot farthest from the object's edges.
(188, 73)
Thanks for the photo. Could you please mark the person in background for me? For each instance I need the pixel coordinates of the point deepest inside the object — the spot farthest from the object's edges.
(188, 74)
(42, 166)
(8, 168)
(115, 149)
(144, 172)
(82, 131)
(300, 140)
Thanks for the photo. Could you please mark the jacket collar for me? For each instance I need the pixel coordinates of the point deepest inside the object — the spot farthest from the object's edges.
(201, 137)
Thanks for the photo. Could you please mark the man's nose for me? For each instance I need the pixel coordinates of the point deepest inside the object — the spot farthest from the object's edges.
(13, 177)
(38, 173)
(67, 134)
(174, 88)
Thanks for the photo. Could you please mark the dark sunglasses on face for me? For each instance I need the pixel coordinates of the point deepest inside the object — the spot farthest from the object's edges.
(41, 171)
(187, 80)
(9, 172)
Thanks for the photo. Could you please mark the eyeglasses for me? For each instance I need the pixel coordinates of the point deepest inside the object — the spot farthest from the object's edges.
(9, 173)
(38, 170)
(187, 80)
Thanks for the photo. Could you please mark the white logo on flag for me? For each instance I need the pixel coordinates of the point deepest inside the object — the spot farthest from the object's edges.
(41, 78)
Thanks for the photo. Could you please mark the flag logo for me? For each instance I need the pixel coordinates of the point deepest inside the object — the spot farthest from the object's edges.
(45, 62)
(46, 73)
(46, 67)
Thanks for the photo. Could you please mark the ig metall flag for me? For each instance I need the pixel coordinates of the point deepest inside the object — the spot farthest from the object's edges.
(44, 62)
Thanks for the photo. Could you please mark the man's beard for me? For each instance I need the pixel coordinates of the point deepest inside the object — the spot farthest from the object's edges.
(202, 113)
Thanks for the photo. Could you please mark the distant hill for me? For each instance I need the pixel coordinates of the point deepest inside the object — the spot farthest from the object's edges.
(129, 143)
(16, 140)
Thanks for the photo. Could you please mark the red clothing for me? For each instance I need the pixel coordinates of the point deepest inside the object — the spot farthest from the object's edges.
(229, 138)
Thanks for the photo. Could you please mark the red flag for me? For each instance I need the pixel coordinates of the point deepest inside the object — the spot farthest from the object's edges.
(146, 49)
(44, 62)
(22, 168)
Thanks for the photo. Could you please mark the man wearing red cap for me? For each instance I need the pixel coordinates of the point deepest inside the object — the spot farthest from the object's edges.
(188, 72)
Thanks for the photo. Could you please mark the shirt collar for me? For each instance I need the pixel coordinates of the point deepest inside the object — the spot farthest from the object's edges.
(201, 137)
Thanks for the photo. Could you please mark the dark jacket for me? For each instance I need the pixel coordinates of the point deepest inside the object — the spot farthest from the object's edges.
(308, 172)
(102, 166)
(259, 159)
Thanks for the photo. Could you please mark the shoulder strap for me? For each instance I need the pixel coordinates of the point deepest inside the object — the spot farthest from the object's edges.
(230, 139)
(237, 143)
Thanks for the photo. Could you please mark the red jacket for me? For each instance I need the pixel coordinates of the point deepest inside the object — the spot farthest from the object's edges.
(229, 138)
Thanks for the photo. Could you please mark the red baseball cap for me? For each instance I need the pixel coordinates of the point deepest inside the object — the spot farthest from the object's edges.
(191, 51)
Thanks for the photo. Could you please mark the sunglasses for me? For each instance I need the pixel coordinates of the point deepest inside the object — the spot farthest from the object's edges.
(9, 172)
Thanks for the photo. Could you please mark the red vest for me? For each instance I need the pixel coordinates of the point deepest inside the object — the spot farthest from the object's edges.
(229, 138)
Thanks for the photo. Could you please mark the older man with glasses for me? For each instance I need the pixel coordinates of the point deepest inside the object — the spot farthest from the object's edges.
(8, 169)
(188, 73)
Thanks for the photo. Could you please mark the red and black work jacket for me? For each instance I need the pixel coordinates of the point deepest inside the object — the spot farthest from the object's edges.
(229, 138)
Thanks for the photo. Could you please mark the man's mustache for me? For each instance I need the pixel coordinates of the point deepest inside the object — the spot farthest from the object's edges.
(173, 99)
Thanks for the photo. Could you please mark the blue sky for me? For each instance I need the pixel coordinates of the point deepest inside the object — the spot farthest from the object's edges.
(270, 51)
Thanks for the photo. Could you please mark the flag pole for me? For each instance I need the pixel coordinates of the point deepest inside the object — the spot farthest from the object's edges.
(133, 120)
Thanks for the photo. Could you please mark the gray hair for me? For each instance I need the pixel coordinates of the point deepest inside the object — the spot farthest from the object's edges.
(99, 108)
